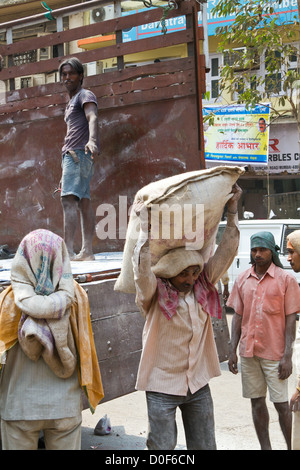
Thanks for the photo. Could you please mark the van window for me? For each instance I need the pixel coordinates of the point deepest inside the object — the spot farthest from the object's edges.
(287, 230)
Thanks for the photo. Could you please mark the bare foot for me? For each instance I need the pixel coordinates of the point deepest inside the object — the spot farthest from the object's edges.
(84, 257)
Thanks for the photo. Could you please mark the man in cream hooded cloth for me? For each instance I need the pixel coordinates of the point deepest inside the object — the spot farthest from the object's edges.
(293, 247)
(177, 297)
(47, 350)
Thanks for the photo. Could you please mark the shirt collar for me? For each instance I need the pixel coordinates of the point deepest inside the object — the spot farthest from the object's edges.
(270, 271)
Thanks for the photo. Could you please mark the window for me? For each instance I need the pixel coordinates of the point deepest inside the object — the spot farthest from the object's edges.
(293, 60)
(213, 76)
(253, 82)
(246, 80)
(287, 230)
(26, 82)
(273, 80)
(293, 64)
(242, 59)
(25, 57)
(245, 63)
(253, 73)
(220, 233)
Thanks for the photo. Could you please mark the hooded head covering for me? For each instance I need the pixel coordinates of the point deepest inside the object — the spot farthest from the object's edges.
(172, 264)
(266, 240)
(43, 288)
(294, 239)
(42, 261)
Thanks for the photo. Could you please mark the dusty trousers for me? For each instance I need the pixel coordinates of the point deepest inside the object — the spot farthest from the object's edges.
(197, 416)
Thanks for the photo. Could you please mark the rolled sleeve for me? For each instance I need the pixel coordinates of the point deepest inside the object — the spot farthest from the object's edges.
(235, 301)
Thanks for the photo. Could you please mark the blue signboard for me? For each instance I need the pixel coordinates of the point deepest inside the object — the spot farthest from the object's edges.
(285, 11)
(152, 29)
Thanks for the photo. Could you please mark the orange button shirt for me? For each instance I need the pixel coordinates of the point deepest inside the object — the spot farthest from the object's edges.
(263, 304)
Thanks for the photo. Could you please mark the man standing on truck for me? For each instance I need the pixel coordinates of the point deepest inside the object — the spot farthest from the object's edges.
(81, 147)
(179, 357)
(293, 247)
(266, 299)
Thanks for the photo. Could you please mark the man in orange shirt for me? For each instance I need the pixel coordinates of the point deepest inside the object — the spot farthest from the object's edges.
(266, 299)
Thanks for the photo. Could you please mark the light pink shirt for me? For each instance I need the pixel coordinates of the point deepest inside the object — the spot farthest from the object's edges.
(179, 354)
(264, 304)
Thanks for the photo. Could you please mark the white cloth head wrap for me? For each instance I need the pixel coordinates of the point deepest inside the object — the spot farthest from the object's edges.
(294, 239)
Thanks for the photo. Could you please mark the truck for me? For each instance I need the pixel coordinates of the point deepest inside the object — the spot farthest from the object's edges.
(150, 123)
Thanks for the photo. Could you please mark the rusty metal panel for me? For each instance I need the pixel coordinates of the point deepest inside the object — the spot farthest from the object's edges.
(142, 142)
(149, 121)
(117, 326)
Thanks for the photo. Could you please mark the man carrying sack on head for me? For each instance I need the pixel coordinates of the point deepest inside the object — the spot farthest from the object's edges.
(177, 297)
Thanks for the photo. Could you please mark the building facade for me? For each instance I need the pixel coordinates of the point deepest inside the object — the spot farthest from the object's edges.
(273, 190)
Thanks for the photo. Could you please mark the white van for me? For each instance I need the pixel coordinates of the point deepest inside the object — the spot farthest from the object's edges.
(280, 229)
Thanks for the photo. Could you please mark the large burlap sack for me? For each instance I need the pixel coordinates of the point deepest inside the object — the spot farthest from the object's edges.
(197, 200)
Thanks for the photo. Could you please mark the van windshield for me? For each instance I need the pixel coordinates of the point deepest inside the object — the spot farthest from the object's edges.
(279, 234)
(287, 230)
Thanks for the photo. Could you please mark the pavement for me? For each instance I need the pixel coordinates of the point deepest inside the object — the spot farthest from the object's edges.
(233, 420)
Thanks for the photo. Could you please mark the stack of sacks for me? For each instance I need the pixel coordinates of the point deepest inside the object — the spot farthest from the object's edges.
(198, 199)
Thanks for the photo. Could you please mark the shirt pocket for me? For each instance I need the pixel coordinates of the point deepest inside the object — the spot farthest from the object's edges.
(273, 305)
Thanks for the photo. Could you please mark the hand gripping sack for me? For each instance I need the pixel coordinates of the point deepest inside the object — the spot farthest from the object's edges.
(180, 205)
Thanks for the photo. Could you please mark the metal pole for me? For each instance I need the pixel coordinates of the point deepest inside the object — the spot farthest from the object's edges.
(205, 31)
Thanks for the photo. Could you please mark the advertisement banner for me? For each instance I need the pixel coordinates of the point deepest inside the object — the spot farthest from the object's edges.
(152, 29)
(286, 11)
(284, 155)
(238, 135)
